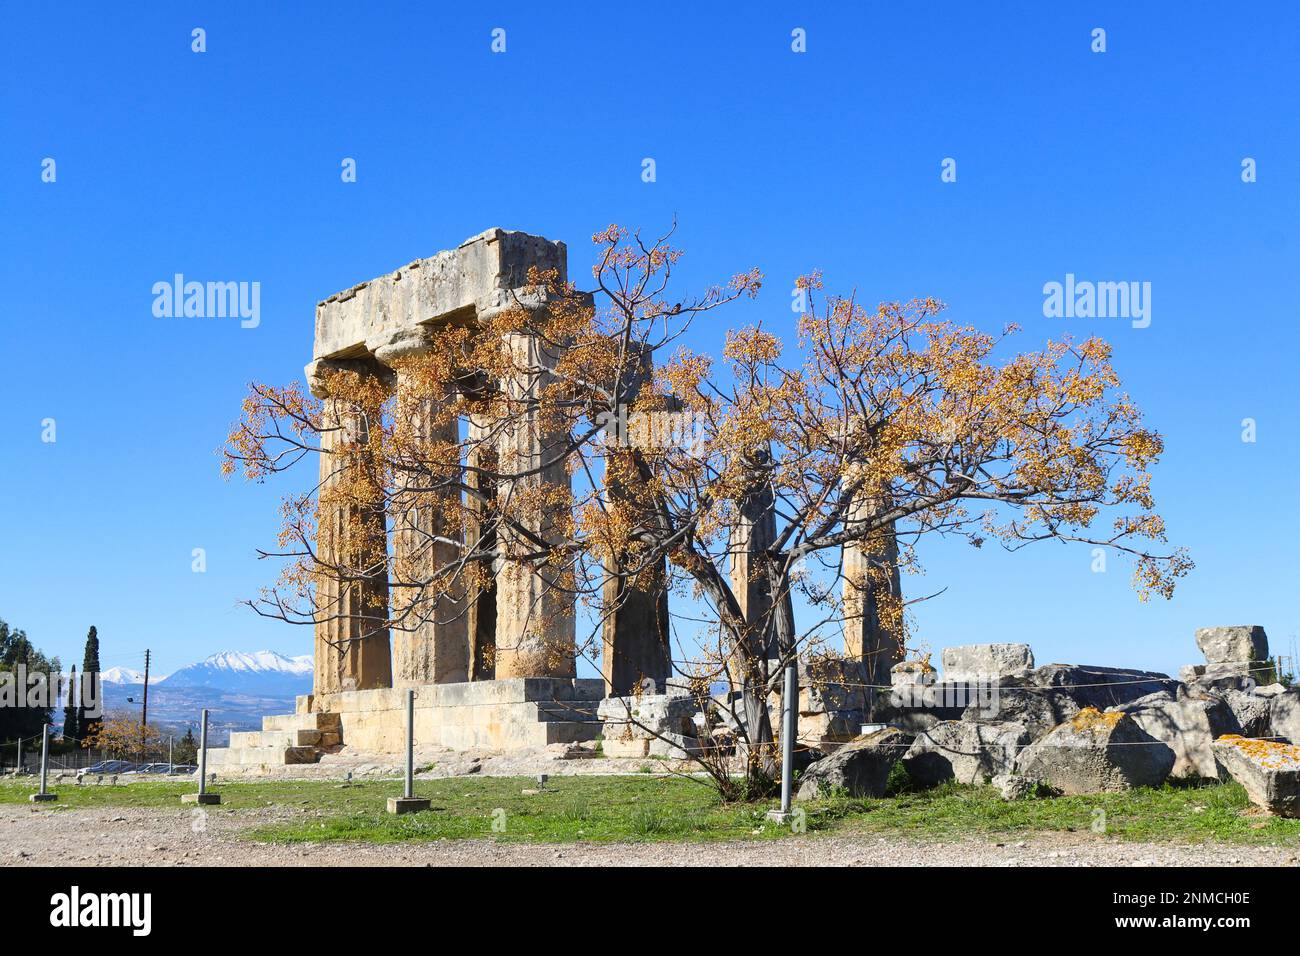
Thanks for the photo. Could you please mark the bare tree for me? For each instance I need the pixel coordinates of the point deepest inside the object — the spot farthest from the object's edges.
(617, 467)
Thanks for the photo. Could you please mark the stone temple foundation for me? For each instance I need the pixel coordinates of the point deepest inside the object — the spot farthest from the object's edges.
(490, 677)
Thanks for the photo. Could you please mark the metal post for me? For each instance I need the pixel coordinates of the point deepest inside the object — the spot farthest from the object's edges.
(45, 756)
(410, 744)
(407, 803)
(18, 771)
(44, 795)
(203, 755)
(788, 731)
(203, 796)
(171, 764)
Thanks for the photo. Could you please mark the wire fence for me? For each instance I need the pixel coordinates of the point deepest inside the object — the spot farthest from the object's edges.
(72, 760)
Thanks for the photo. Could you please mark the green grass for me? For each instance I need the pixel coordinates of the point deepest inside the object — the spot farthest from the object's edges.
(647, 808)
(1170, 814)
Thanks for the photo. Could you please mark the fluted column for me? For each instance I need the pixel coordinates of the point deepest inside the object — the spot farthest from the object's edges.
(751, 535)
(429, 624)
(535, 622)
(873, 605)
(480, 536)
(635, 631)
(352, 651)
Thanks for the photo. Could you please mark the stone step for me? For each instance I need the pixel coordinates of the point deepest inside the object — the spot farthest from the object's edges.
(325, 723)
(267, 738)
(278, 748)
(257, 756)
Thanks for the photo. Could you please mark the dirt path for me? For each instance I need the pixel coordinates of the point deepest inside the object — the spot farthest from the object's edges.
(134, 837)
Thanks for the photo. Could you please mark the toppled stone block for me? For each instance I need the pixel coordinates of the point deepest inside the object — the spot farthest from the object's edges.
(982, 662)
(650, 725)
(1251, 712)
(1224, 645)
(1188, 725)
(657, 711)
(1015, 787)
(1052, 694)
(672, 745)
(1268, 769)
(1228, 675)
(829, 727)
(858, 769)
(965, 751)
(1097, 753)
(1284, 715)
(829, 684)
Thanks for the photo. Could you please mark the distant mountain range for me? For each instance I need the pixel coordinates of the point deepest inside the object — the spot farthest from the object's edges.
(237, 688)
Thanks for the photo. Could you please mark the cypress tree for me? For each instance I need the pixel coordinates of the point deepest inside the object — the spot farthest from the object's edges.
(72, 712)
(89, 726)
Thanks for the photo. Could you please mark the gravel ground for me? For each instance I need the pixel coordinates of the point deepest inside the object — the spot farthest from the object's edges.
(139, 837)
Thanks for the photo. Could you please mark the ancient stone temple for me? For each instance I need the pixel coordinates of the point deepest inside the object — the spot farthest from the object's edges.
(501, 674)
(366, 329)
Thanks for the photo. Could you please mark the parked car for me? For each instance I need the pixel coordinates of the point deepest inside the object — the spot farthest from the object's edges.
(108, 767)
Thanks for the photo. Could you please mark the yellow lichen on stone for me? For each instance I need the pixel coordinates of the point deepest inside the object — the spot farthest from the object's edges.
(1090, 718)
(1269, 754)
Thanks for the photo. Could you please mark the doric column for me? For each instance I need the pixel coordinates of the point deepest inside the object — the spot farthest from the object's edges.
(480, 536)
(635, 630)
(535, 622)
(429, 625)
(873, 606)
(352, 650)
(751, 535)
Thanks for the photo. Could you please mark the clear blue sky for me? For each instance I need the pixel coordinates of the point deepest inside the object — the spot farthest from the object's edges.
(225, 166)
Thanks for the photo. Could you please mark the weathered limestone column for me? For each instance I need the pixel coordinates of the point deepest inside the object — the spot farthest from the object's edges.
(430, 644)
(535, 622)
(753, 533)
(872, 593)
(480, 535)
(352, 650)
(636, 632)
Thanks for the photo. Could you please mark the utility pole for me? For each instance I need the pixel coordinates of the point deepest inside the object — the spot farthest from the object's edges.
(144, 709)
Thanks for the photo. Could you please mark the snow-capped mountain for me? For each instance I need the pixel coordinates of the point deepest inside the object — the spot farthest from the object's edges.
(264, 672)
(124, 675)
(236, 687)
